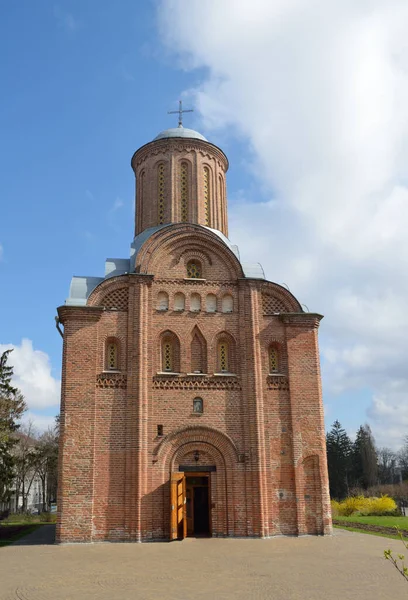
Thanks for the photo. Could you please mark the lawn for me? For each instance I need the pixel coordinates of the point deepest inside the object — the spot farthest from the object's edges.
(400, 522)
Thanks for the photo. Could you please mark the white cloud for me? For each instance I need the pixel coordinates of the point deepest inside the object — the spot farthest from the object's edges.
(32, 375)
(319, 90)
(66, 20)
(116, 205)
(39, 422)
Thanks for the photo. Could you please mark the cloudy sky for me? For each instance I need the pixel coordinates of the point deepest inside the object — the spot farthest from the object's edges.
(309, 101)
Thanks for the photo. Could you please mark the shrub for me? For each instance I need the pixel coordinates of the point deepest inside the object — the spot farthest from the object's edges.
(364, 506)
(47, 517)
(335, 508)
(21, 518)
(382, 506)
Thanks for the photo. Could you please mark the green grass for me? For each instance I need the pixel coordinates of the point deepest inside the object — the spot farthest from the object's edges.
(10, 533)
(356, 530)
(400, 522)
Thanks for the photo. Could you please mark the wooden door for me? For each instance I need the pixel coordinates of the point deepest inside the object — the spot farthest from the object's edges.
(178, 520)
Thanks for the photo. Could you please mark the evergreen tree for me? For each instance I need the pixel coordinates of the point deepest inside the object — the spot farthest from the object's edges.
(12, 406)
(339, 447)
(364, 458)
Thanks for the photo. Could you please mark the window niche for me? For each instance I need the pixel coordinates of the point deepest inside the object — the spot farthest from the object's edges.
(195, 303)
(112, 355)
(273, 357)
(198, 406)
(179, 302)
(194, 269)
(162, 301)
(211, 303)
(225, 359)
(170, 353)
(227, 304)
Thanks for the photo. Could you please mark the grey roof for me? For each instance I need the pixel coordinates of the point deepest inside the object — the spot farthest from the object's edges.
(180, 132)
(81, 287)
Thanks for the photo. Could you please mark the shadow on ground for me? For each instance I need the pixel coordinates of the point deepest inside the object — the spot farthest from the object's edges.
(43, 536)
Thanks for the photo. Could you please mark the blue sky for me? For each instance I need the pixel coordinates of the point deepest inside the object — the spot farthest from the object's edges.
(86, 83)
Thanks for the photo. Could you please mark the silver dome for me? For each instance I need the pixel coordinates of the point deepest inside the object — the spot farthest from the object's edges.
(180, 132)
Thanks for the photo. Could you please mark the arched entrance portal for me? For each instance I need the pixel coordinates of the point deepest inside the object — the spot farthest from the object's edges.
(201, 463)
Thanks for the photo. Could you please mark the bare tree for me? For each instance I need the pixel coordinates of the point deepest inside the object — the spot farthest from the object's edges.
(25, 462)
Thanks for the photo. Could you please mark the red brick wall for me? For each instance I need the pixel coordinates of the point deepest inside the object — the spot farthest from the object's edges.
(263, 432)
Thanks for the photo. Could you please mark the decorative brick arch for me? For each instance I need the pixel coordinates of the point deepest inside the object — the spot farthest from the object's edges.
(277, 299)
(178, 239)
(195, 434)
(110, 292)
(222, 452)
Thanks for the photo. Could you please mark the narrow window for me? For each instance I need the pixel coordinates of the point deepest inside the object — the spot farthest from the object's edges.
(183, 191)
(223, 357)
(211, 303)
(161, 192)
(159, 430)
(168, 356)
(162, 301)
(112, 356)
(198, 405)
(207, 198)
(194, 269)
(227, 304)
(179, 301)
(273, 360)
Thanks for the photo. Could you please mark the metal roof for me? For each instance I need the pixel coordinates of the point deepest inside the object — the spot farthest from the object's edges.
(81, 287)
(182, 132)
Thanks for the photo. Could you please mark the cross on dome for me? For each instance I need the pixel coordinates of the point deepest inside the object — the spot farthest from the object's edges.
(180, 112)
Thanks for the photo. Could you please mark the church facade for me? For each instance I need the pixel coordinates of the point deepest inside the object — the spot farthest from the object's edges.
(191, 394)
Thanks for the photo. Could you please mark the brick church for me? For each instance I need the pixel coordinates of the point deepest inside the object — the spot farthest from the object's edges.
(191, 394)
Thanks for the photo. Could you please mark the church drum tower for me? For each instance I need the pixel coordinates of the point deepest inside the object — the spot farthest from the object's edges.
(191, 395)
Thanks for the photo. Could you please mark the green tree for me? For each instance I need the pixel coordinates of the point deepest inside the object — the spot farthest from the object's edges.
(339, 447)
(364, 458)
(12, 406)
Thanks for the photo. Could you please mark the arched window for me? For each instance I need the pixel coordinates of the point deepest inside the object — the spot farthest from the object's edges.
(194, 270)
(207, 195)
(161, 190)
(227, 303)
(195, 302)
(162, 301)
(184, 191)
(226, 353)
(211, 303)
(198, 405)
(179, 301)
(170, 353)
(223, 356)
(112, 355)
(273, 360)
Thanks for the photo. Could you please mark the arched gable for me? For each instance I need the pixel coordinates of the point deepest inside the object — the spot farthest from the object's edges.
(113, 293)
(167, 252)
(276, 299)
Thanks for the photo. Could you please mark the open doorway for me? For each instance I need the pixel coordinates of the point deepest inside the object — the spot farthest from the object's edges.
(198, 504)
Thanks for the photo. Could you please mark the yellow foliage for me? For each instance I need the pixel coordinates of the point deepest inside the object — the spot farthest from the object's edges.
(335, 508)
(364, 506)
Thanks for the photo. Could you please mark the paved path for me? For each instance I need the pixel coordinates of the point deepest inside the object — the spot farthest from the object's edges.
(41, 536)
(347, 566)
